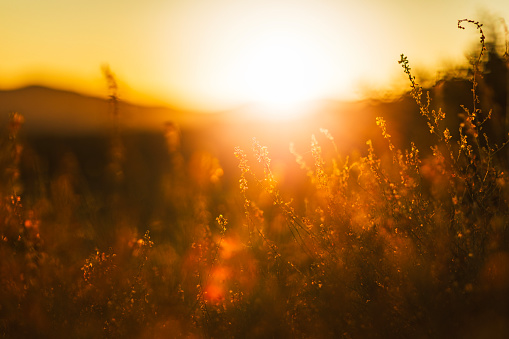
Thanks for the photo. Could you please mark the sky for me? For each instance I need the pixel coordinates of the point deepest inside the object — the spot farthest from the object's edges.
(217, 54)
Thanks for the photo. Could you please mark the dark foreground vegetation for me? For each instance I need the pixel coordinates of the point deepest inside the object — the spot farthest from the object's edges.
(137, 236)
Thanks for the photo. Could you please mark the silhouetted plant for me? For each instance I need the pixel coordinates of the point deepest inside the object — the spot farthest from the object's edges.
(389, 243)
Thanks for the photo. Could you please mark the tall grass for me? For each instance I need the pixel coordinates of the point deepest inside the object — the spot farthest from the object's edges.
(391, 244)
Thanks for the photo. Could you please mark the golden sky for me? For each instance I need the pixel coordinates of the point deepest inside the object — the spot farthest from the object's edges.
(215, 54)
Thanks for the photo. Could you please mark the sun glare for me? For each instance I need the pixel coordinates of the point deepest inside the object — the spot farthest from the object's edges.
(277, 54)
(282, 71)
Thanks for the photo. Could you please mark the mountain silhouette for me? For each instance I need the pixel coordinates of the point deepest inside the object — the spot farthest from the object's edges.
(53, 111)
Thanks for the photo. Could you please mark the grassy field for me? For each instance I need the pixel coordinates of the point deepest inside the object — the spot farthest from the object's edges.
(180, 234)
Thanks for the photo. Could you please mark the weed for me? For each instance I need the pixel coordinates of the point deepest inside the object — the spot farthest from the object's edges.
(391, 242)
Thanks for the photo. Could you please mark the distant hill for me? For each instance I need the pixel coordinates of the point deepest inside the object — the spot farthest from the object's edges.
(52, 111)
(55, 112)
(49, 111)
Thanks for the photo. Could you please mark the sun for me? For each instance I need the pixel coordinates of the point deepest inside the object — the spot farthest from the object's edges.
(282, 70)
(277, 54)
